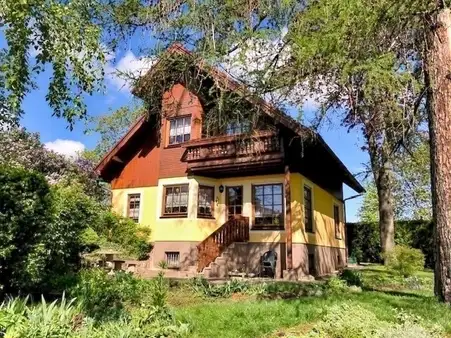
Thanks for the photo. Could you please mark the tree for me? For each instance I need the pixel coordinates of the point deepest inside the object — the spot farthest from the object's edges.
(411, 187)
(62, 37)
(23, 149)
(111, 127)
(25, 212)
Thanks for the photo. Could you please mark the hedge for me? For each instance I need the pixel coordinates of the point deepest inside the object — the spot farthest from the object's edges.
(364, 242)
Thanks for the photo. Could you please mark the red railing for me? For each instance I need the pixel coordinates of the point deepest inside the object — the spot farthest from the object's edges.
(232, 146)
(234, 230)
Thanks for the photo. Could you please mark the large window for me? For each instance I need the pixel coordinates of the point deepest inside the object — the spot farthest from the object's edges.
(337, 221)
(180, 130)
(206, 201)
(176, 200)
(308, 208)
(134, 201)
(268, 203)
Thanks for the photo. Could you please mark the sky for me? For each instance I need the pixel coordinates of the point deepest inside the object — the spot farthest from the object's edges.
(54, 132)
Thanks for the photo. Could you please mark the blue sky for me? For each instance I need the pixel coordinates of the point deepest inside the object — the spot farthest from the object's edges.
(55, 133)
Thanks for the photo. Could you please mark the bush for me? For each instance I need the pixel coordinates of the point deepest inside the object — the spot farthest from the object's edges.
(352, 277)
(365, 243)
(102, 296)
(125, 232)
(25, 215)
(404, 260)
(336, 285)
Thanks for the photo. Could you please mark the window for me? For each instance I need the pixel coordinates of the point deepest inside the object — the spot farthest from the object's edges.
(133, 206)
(206, 201)
(180, 130)
(268, 203)
(308, 208)
(176, 200)
(236, 128)
(337, 221)
(173, 259)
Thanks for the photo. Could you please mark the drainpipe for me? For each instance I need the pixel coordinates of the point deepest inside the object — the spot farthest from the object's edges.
(344, 221)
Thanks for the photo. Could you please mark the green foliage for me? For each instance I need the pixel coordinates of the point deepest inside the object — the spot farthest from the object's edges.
(102, 296)
(404, 260)
(65, 319)
(202, 286)
(62, 35)
(353, 321)
(336, 285)
(352, 277)
(411, 187)
(132, 237)
(25, 215)
(111, 127)
(56, 319)
(365, 243)
(24, 149)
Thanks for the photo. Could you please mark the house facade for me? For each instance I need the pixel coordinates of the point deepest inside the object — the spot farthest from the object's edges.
(217, 203)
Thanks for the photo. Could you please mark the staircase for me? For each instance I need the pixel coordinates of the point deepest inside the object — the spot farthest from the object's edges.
(211, 249)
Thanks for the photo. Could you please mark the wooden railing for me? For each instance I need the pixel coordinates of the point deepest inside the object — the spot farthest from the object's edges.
(234, 230)
(231, 146)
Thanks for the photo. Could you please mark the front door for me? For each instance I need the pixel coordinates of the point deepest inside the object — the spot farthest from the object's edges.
(234, 201)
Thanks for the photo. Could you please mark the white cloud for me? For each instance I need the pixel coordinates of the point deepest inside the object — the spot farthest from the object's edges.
(126, 69)
(68, 148)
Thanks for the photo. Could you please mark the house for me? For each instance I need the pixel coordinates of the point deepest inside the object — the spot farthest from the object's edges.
(218, 195)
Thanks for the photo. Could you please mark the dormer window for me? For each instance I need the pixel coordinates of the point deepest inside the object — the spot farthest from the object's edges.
(179, 130)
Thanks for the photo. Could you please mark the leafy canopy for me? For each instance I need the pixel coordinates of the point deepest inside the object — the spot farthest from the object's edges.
(62, 37)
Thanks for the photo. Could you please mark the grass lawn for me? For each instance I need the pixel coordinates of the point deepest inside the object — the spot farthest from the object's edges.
(243, 315)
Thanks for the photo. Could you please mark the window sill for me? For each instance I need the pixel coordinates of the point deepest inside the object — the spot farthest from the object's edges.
(205, 217)
(176, 145)
(310, 232)
(267, 228)
(175, 216)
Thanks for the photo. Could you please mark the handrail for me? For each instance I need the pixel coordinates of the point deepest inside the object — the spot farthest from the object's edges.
(234, 230)
(263, 144)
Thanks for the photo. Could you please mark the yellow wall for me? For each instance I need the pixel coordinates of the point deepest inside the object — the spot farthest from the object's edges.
(323, 214)
(194, 229)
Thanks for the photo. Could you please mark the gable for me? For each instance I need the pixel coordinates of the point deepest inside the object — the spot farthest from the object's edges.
(179, 100)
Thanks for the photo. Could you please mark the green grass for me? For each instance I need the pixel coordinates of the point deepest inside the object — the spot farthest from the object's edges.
(248, 316)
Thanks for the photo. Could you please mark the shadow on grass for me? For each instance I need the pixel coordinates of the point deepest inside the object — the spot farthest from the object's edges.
(397, 293)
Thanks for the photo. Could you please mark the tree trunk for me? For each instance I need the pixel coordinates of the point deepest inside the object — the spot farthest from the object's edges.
(386, 213)
(382, 170)
(438, 79)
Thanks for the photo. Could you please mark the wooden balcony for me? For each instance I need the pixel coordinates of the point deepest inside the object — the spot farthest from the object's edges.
(223, 155)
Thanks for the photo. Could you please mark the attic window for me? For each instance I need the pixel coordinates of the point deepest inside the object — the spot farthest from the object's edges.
(180, 130)
(236, 128)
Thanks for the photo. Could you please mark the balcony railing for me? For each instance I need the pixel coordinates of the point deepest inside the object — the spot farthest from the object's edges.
(229, 147)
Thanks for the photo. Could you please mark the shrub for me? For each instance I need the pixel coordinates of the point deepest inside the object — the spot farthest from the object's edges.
(336, 285)
(102, 296)
(404, 260)
(352, 277)
(365, 243)
(25, 215)
(125, 232)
